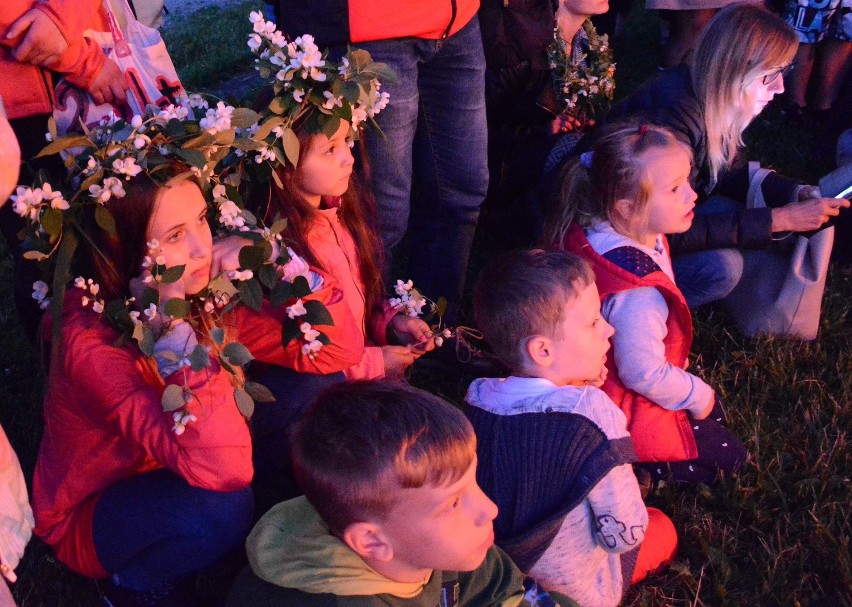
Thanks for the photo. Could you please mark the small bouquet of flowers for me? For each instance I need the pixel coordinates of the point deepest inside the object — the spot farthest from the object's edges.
(583, 73)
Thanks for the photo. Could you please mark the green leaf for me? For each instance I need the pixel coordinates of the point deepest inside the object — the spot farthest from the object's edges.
(323, 338)
(222, 286)
(282, 292)
(290, 330)
(63, 143)
(176, 128)
(253, 257)
(251, 293)
(91, 180)
(291, 145)
(266, 128)
(351, 91)
(268, 276)
(217, 335)
(199, 358)
(51, 221)
(248, 145)
(172, 274)
(35, 255)
(149, 296)
(441, 306)
(146, 345)
(278, 226)
(172, 398)
(243, 118)
(105, 219)
(259, 392)
(225, 138)
(330, 126)
(278, 105)
(203, 140)
(245, 404)
(193, 157)
(301, 288)
(237, 354)
(176, 308)
(317, 314)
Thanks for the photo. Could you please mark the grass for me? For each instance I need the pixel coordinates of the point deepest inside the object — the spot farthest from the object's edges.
(210, 45)
(779, 534)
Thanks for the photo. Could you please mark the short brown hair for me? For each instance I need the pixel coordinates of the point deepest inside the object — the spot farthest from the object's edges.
(522, 294)
(361, 442)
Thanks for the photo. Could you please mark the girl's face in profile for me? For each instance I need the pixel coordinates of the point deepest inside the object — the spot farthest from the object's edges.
(325, 168)
(179, 224)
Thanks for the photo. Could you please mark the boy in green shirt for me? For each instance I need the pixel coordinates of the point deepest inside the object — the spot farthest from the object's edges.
(392, 514)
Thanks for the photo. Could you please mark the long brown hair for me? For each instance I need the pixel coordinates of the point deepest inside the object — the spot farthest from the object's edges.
(357, 213)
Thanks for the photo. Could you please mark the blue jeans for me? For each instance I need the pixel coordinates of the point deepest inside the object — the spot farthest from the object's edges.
(430, 174)
(271, 425)
(155, 527)
(709, 275)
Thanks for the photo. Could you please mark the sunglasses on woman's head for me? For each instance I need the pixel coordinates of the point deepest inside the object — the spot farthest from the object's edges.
(778, 71)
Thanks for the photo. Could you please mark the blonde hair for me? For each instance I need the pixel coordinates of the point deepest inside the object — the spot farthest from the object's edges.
(588, 187)
(741, 43)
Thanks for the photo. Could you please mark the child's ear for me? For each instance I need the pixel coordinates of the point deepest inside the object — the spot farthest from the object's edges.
(368, 541)
(539, 350)
(624, 208)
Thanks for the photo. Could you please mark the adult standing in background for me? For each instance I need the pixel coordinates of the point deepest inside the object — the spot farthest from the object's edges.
(429, 172)
(37, 38)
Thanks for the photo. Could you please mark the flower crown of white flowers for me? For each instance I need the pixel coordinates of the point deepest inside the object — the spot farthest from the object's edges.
(174, 142)
(312, 92)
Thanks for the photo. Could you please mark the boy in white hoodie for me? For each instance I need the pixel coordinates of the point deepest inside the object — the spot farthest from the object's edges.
(554, 452)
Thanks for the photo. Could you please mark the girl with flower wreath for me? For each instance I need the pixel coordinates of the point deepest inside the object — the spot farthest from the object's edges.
(144, 468)
(315, 110)
(118, 493)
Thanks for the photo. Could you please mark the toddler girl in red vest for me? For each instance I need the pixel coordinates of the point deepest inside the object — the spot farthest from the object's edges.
(615, 205)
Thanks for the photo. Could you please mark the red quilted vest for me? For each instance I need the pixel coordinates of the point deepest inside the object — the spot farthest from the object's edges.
(659, 435)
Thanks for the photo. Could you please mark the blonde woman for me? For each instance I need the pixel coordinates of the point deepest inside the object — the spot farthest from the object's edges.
(738, 66)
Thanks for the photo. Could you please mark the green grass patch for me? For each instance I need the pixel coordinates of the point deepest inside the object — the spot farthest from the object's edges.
(210, 45)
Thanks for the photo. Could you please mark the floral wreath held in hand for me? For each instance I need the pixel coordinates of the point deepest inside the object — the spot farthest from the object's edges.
(188, 140)
(583, 74)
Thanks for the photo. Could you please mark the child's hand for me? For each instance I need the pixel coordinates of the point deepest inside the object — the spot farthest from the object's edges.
(397, 359)
(226, 254)
(600, 379)
(706, 413)
(413, 332)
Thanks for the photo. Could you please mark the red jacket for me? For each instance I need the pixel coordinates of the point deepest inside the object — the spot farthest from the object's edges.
(658, 434)
(261, 334)
(104, 423)
(26, 89)
(337, 22)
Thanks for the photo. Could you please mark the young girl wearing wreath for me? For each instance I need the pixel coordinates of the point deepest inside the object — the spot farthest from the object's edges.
(614, 207)
(143, 472)
(316, 110)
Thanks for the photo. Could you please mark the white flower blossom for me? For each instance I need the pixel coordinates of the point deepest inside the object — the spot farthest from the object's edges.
(173, 112)
(241, 275)
(331, 100)
(40, 290)
(197, 101)
(230, 215)
(309, 333)
(294, 268)
(254, 42)
(127, 166)
(217, 119)
(136, 122)
(297, 309)
(140, 141)
(310, 349)
(26, 202)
